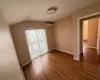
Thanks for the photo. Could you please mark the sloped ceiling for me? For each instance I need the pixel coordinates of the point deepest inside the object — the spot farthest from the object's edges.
(36, 10)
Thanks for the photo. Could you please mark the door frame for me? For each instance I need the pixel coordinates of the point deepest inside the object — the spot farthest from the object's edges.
(98, 39)
(79, 25)
(27, 40)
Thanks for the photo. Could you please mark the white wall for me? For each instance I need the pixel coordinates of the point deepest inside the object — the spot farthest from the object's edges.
(9, 66)
(63, 31)
(71, 34)
(18, 35)
(93, 32)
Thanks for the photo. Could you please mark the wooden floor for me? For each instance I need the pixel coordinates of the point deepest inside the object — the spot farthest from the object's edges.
(58, 65)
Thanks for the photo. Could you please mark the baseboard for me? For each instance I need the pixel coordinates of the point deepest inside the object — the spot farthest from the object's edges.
(91, 47)
(64, 51)
(85, 40)
(76, 59)
(22, 74)
(48, 51)
(26, 63)
(51, 50)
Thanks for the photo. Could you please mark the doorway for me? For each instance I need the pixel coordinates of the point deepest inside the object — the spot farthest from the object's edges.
(37, 42)
(89, 39)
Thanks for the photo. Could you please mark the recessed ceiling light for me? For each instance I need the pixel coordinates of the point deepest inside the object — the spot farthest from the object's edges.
(51, 10)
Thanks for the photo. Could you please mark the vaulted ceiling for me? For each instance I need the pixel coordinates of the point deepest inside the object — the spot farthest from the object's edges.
(36, 10)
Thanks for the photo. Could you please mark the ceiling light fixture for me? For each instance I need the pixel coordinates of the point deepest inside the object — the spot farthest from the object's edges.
(51, 10)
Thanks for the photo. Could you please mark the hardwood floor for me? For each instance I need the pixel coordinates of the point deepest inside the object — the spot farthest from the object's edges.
(58, 65)
(90, 55)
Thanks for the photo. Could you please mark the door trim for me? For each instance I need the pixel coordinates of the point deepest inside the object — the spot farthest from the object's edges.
(77, 57)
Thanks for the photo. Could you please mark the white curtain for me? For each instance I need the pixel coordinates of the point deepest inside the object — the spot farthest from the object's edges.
(37, 42)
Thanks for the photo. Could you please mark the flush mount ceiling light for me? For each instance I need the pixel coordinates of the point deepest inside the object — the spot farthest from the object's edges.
(51, 10)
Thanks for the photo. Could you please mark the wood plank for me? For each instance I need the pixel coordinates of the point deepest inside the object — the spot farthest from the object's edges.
(57, 65)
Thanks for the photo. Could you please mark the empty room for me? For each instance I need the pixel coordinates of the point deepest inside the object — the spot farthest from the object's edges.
(49, 39)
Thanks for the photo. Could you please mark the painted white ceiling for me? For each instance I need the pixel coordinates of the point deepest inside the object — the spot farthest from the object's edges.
(36, 10)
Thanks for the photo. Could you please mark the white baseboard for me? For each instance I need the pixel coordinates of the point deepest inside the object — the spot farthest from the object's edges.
(64, 51)
(22, 74)
(48, 51)
(77, 59)
(26, 63)
(51, 50)
(91, 47)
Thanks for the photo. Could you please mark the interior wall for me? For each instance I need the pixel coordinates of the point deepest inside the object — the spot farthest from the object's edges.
(64, 35)
(76, 15)
(9, 66)
(19, 38)
(93, 32)
(73, 21)
(85, 30)
(50, 37)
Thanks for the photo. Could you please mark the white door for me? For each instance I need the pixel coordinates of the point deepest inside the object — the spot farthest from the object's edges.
(37, 43)
(98, 39)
